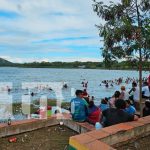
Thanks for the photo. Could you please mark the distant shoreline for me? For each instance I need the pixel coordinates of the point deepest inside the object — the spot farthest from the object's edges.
(114, 65)
(74, 68)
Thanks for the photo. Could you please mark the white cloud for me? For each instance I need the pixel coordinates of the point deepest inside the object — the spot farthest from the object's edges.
(45, 20)
(51, 59)
(76, 15)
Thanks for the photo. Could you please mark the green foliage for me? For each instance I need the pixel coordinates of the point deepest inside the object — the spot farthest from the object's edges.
(126, 29)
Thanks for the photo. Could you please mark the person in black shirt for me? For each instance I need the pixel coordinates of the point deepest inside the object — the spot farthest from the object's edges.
(146, 110)
(117, 115)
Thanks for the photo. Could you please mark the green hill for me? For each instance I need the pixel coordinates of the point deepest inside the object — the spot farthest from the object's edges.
(4, 62)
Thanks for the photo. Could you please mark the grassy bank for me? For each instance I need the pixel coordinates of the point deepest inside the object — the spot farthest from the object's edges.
(17, 107)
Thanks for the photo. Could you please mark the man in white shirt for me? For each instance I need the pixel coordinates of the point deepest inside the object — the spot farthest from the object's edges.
(145, 91)
(136, 95)
(135, 91)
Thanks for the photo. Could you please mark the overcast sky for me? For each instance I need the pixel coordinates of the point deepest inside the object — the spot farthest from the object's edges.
(48, 30)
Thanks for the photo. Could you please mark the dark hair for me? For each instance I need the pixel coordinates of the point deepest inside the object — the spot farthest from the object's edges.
(57, 111)
(84, 90)
(120, 104)
(91, 104)
(92, 97)
(128, 102)
(104, 101)
(78, 92)
(117, 94)
(145, 83)
(134, 84)
(147, 104)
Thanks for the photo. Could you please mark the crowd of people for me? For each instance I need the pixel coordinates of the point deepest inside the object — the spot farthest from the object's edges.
(121, 107)
(119, 81)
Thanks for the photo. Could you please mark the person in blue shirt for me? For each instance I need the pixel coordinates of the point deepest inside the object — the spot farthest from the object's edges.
(79, 107)
(129, 108)
(104, 104)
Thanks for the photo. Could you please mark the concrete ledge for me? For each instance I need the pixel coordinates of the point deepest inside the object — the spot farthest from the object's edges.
(79, 127)
(110, 137)
(18, 127)
(25, 126)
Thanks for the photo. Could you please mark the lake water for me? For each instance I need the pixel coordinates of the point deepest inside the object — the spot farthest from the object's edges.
(73, 77)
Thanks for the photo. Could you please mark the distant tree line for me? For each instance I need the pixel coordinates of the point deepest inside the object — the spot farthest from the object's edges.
(124, 65)
(88, 65)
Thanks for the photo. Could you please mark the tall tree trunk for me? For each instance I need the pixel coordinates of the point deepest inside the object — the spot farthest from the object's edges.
(140, 56)
(140, 82)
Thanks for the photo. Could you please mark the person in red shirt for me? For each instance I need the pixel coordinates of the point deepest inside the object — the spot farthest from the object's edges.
(94, 113)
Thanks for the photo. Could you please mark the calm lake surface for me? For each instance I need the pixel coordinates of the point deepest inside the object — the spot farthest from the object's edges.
(73, 77)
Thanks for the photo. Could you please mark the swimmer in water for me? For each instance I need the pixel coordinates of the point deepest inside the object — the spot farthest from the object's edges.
(65, 86)
(32, 94)
(106, 85)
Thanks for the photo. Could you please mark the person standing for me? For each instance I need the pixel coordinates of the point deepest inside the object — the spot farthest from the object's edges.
(148, 80)
(146, 109)
(145, 91)
(136, 95)
(124, 95)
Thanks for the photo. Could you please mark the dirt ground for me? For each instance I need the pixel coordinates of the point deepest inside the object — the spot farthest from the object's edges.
(50, 138)
(140, 144)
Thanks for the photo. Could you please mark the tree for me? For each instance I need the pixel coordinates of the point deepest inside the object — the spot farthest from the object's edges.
(125, 31)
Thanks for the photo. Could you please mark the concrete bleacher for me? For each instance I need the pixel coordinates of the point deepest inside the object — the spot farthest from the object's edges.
(88, 138)
(18, 127)
(111, 137)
